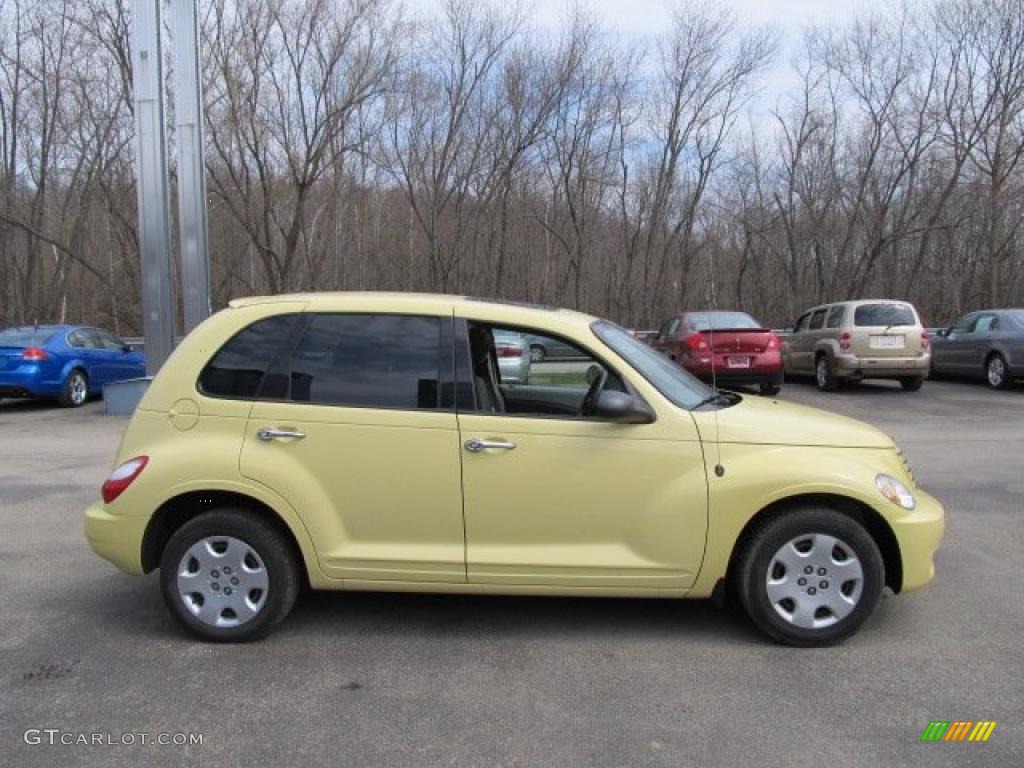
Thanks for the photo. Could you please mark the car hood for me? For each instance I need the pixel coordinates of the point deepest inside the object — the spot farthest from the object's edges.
(759, 420)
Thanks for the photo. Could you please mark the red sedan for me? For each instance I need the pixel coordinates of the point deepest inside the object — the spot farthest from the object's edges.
(729, 348)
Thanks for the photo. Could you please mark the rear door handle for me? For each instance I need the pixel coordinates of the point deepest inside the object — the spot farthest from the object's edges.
(268, 433)
(476, 445)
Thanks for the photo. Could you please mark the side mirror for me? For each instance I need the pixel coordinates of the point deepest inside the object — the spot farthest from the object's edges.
(622, 408)
(127, 348)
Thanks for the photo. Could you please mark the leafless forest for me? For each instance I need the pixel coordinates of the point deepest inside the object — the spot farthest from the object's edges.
(350, 146)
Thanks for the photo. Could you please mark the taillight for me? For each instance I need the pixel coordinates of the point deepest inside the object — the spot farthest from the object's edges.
(924, 339)
(35, 354)
(844, 340)
(773, 341)
(697, 343)
(122, 477)
(509, 352)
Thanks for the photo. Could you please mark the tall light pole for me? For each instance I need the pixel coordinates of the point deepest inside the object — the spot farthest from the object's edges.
(151, 185)
(188, 123)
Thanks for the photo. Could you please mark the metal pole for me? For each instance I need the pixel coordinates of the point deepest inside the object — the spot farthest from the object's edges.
(188, 110)
(151, 167)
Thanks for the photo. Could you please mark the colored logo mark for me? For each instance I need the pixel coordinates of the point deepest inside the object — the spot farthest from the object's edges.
(958, 730)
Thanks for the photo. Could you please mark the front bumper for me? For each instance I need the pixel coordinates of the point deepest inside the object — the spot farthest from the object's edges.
(919, 533)
(117, 538)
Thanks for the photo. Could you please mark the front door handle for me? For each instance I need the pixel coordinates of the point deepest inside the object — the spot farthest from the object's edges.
(267, 434)
(476, 445)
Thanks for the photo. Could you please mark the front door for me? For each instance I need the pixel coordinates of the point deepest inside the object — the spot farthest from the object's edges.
(554, 499)
(357, 440)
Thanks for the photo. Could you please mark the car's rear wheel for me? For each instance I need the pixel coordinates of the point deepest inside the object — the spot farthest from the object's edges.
(823, 375)
(770, 390)
(810, 577)
(912, 383)
(537, 353)
(75, 391)
(997, 373)
(228, 576)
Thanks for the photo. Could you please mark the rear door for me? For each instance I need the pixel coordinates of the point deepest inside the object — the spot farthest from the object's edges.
(89, 349)
(354, 431)
(795, 347)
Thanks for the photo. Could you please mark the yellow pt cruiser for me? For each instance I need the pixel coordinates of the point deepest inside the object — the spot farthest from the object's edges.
(367, 441)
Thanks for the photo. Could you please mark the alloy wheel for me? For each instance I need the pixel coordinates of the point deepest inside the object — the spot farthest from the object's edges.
(79, 390)
(996, 371)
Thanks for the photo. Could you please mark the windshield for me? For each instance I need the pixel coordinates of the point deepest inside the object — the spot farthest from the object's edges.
(25, 337)
(667, 377)
(721, 321)
(884, 314)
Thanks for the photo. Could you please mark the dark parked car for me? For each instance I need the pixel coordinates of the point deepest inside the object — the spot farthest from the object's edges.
(544, 348)
(987, 344)
(730, 347)
(67, 362)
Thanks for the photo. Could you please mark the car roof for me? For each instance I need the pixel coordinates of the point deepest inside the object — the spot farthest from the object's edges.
(498, 310)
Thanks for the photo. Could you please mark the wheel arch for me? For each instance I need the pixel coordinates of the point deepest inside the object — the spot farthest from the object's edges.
(869, 518)
(178, 510)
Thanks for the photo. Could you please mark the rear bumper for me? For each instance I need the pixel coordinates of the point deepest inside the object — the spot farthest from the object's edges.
(117, 538)
(919, 533)
(27, 382)
(853, 366)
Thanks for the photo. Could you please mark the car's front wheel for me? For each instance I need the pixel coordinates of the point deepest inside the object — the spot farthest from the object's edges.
(75, 391)
(997, 373)
(810, 577)
(228, 576)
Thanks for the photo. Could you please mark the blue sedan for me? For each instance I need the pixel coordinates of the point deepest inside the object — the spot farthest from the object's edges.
(68, 362)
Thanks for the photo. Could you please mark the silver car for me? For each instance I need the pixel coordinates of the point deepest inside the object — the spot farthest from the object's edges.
(513, 357)
(987, 344)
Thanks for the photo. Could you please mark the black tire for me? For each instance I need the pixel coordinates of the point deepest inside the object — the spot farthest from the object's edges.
(537, 353)
(912, 383)
(824, 377)
(997, 373)
(75, 391)
(770, 390)
(270, 547)
(768, 540)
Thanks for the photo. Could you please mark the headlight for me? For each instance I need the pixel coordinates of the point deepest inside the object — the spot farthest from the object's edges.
(895, 491)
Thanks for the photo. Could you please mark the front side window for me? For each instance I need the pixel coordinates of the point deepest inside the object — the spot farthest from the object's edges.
(884, 315)
(985, 323)
(964, 324)
(238, 369)
(368, 361)
(801, 324)
(817, 320)
(109, 341)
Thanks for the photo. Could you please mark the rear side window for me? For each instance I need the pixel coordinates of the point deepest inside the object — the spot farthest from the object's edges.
(237, 370)
(369, 361)
(835, 317)
(884, 314)
(817, 319)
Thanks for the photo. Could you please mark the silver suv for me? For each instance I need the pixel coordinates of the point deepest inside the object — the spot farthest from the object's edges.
(855, 340)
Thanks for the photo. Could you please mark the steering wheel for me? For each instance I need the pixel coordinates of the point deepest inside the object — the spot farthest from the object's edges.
(589, 405)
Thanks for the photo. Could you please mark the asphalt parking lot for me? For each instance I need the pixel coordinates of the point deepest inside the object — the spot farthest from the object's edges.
(395, 680)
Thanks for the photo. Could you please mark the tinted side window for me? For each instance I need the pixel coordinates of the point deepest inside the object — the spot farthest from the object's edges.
(835, 317)
(801, 324)
(963, 325)
(372, 361)
(237, 370)
(817, 319)
(985, 323)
